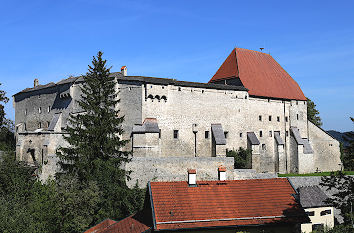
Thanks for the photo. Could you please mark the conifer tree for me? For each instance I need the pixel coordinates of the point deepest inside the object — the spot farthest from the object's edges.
(94, 135)
(313, 114)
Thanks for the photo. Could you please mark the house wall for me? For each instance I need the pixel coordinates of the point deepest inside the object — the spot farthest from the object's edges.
(327, 220)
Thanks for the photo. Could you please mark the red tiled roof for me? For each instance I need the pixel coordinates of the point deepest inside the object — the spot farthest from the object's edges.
(132, 224)
(101, 226)
(224, 203)
(259, 73)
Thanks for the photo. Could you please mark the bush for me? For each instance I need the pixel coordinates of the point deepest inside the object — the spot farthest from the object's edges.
(242, 158)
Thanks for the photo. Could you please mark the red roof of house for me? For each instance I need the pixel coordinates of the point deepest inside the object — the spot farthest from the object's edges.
(224, 203)
(259, 73)
(132, 224)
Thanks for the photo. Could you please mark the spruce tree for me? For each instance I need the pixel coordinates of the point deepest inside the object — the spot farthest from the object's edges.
(95, 145)
(94, 134)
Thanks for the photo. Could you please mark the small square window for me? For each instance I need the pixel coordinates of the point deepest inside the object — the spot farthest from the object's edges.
(206, 134)
(270, 118)
(278, 118)
(326, 212)
(240, 135)
(286, 119)
(226, 134)
(264, 147)
(310, 213)
(260, 118)
(270, 133)
(260, 133)
(175, 134)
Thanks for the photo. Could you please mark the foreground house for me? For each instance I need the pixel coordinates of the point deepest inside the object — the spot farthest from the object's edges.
(209, 206)
(321, 214)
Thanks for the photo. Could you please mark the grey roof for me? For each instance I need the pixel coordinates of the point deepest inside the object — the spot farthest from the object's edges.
(54, 121)
(218, 134)
(149, 126)
(278, 139)
(253, 138)
(301, 141)
(307, 146)
(312, 196)
(167, 81)
(297, 135)
(152, 80)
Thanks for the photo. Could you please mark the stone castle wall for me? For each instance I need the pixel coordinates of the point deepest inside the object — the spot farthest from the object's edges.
(189, 109)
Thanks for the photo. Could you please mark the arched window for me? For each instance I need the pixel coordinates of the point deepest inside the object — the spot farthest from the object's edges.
(150, 96)
(164, 98)
(157, 97)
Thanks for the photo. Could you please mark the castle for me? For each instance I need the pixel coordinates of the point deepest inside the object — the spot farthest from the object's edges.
(250, 102)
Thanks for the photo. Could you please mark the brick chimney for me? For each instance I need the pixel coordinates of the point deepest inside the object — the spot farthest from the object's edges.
(192, 177)
(35, 82)
(222, 173)
(124, 70)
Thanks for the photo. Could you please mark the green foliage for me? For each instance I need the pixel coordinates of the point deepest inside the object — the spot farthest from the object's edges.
(3, 100)
(95, 150)
(92, 186)
(337, 229)
(347, 154)
(313, 113)
(242, 158)
(343, 199)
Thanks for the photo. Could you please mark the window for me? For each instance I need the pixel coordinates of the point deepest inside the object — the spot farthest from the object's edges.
(297, 102)
(326, 212)
(159, 133)
(39, 96)
(278, 118)
(260, 133)
(226, 134)
(286, 133)
(240, 135)
(206, 134)
(297, 116)
(260, 118)
(39, 110)
(310, 213)
(39, 125)
(48, 108)
(246, 97)
(25, 126)
(270, 134)
(264, 147)
(48, 123)
(175, 133)
(286, 119)
(179, 89)
(270, 118)
(26, 111)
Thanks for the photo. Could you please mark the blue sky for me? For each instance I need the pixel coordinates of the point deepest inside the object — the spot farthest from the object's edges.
(186, 40)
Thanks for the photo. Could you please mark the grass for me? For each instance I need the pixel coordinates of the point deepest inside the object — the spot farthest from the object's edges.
(314, 174)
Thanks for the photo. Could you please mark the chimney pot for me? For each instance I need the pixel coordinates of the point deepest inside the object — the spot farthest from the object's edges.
(192, 177)
(124, 70)
(222, 173)
(35, 82)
